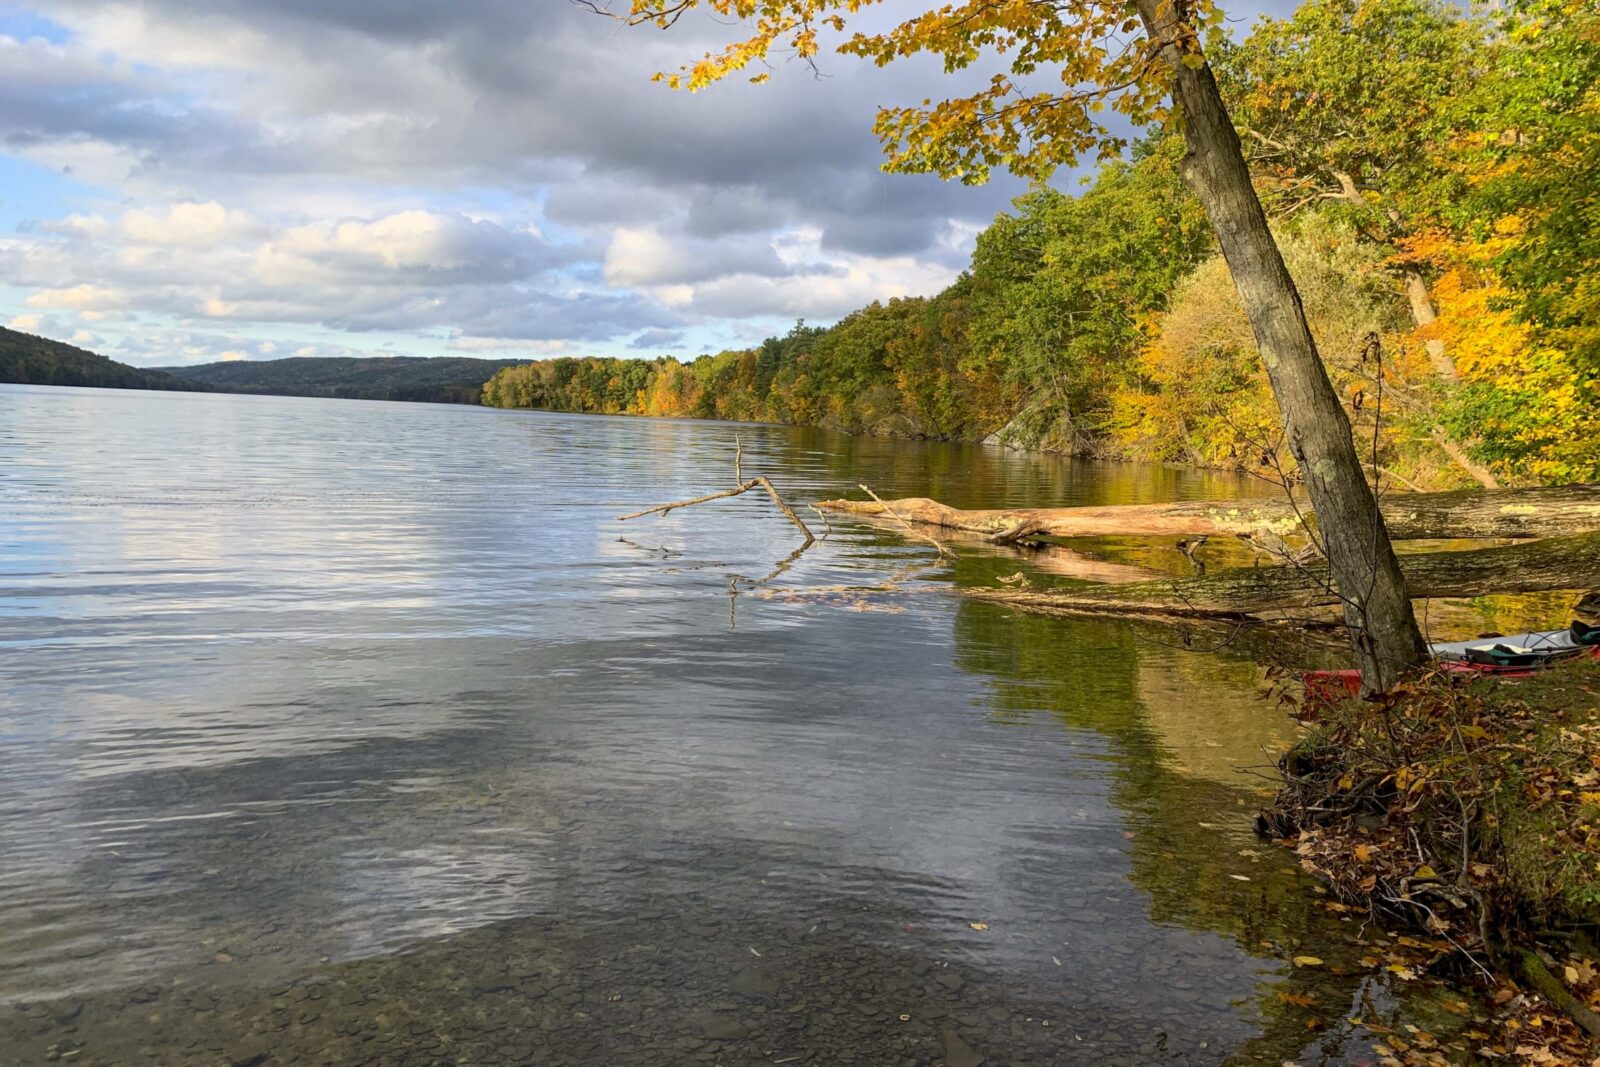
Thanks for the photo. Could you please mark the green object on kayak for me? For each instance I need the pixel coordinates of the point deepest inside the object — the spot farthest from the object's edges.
(1517, 655)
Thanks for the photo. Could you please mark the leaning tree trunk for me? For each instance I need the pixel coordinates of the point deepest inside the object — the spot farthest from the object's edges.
(1383, 629)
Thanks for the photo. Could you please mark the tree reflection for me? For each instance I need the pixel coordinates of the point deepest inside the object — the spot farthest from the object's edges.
(1184, 731)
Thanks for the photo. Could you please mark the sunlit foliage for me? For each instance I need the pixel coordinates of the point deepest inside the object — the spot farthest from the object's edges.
(1420, 161)
(1049, 71)
(1203, 396)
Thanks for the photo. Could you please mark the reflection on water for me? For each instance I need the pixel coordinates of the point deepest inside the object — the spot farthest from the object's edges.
(351, 732)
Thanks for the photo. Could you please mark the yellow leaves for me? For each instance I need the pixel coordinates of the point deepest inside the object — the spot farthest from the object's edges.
(1534, 399)
(964, 137)
(1307, 961)
(1580, 973)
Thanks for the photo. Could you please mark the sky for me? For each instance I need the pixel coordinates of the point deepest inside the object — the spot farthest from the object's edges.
(183, 181)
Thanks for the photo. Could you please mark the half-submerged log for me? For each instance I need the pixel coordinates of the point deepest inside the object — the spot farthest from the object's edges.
(1549, 511)
(1535, 566)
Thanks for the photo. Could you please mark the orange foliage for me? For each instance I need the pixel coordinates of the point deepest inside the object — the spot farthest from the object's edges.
(1536, 412)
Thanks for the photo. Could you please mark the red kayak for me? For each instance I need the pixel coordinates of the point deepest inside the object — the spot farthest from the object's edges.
(1511, 656)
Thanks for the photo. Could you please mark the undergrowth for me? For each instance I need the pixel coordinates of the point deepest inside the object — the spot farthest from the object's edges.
(1469, 810)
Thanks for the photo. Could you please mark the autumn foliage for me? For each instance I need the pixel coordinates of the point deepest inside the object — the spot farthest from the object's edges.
(1434, 180)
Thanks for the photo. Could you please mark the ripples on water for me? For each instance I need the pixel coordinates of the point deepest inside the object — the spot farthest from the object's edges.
(352, 731)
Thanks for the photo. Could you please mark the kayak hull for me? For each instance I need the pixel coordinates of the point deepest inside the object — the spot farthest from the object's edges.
(1553, 646)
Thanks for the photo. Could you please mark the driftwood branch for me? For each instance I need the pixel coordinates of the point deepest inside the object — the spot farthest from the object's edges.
(1535, 566)
(742, 485)
(758, 482)
(887, 510)
(1550, 511)
(827, 524)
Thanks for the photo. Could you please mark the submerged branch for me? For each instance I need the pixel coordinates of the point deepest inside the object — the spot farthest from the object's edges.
(1535, 566)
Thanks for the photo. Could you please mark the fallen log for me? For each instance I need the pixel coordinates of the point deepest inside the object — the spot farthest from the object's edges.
(1571, 562)
(1548, 511)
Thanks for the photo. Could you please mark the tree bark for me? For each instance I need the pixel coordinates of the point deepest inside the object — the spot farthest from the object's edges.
(1383, 630)
(1549, 511)
(1424, 315)
(1534, 566)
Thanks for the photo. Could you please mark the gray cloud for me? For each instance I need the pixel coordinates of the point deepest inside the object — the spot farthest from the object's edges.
(657, 340)
(511, 89)
(327, 124)
(411, 270)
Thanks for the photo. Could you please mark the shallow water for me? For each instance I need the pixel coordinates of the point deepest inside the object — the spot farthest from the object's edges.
(352, 732)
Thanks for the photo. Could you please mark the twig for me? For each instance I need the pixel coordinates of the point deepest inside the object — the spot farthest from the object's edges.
(663, 551)
(909, 528)
(738, 460)
(1024, 530)
(758, 482)
(895, 583)
(1407, 482)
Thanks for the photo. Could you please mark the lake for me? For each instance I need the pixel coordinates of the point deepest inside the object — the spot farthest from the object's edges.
(355, 732)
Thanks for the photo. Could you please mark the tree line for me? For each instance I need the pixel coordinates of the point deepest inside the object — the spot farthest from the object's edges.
(1433, 178)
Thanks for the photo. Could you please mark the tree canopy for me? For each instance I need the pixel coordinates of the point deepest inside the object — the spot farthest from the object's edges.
(1098, 321)
(1053, 72)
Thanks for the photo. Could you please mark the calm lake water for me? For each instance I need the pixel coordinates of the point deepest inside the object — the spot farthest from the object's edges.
(353, 732)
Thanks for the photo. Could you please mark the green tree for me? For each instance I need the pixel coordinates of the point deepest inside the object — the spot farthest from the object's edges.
(1348, 103)
(1544, 157)
(1060, 287)
(1156, 54)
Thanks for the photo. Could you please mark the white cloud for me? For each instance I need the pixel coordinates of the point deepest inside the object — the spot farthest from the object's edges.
(816, 284)
(498, 175)
(77, 225)
(185, 225)
(512, 344)
(645, 256)
(638, 257)
(410, 271)
(79, 298)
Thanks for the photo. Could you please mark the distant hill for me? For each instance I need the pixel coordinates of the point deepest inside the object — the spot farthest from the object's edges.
(441, 379)
(29, 360)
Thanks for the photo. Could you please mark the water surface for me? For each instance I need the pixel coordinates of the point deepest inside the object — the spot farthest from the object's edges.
(359, 732)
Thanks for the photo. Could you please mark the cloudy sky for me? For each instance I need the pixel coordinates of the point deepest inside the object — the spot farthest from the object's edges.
(189, 180)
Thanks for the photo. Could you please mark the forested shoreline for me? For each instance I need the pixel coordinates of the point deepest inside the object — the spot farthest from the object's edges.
(1434, 178)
